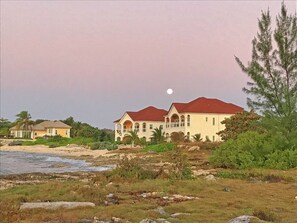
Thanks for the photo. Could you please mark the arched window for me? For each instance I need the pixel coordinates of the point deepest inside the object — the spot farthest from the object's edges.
(136, 127)
(127, 126)
(144, 127)
(174, 120)
(182, 120)
(167, 122)
(188, 120)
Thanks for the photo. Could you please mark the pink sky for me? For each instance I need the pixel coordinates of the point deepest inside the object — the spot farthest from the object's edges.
(94, 60)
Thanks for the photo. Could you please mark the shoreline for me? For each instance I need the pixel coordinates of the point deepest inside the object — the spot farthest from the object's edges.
(76, 151)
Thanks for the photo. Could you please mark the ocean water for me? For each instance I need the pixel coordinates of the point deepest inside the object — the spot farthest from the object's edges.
(23, 162)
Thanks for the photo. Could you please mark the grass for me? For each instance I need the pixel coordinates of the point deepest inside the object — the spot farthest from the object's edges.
(274, 201)
(267, 194)
(59, 141)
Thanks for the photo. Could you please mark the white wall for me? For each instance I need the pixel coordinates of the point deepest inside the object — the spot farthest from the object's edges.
(148, 131)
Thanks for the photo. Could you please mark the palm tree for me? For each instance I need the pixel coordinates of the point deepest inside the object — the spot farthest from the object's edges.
(24, 121)
(158, 135)
(134, 137)
(197, 137)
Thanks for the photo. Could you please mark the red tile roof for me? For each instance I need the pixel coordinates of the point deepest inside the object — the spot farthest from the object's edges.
(147, 114)
(207, 105)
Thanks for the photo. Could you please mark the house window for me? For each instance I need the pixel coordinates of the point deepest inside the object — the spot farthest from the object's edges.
(144, 127)
(50, 131)
(151, 126)
(182, 118)
(161, 126)
(136, 128)
(188, 120)
(206, 119)
(56, 132)
(213, 121)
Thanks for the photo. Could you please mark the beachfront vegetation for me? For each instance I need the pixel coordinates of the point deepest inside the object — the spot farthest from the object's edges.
(140, 187)
(270, 140)
(5, 125)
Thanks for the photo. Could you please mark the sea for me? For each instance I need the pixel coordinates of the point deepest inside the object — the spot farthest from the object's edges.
(24, 162)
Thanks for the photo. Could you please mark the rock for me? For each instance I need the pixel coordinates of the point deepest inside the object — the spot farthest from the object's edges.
(111, 199)
(210, 177)
(109, 184)
(201, 172)
(160, 210)
(178, 214)
(147, 220)
(194, 148)
(55, 205)
(115, 219)
(296, 198)
(227, 189)
(244, 219)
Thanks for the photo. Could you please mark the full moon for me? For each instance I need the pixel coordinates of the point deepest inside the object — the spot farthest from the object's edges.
(169, 91)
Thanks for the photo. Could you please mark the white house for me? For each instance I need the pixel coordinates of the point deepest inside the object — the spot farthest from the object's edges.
(200, 116)
(143, 121)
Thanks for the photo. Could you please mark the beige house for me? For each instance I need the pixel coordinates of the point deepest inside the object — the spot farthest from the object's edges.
(200, 116)
(45, 128)
(143, 121)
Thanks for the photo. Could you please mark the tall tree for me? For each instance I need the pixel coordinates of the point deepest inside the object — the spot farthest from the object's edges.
(24, 121)
(273, 69)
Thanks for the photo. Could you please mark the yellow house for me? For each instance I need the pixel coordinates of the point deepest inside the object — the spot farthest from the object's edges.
(45, 128)
(201, 116)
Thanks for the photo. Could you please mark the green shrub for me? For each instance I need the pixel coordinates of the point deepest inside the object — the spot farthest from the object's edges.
(180, 168)
(15, 143)
(164, 147)
(132, 168)
(252, 149)
(102, 145)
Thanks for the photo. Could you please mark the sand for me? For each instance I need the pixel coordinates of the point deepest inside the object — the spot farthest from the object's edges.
(63, 150)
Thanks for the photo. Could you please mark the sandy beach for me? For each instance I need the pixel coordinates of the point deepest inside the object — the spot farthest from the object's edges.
(63, 150)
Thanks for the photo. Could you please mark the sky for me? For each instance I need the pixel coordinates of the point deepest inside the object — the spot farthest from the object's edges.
(94, 60)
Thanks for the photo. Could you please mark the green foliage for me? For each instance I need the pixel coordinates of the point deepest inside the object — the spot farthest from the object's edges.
(180, 168)
(4, 127)
(79, 129)
(158, 135)
(273, 69)
(24, 122)
(133, 137)
(177, 137)
(132, 168)
(197, 137)
(252, 149)
(58, 141)
(103, 145)
(239, 123)
(164, 147)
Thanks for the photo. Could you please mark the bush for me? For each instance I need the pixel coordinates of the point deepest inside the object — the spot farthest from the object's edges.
(15, 143)
(252, 149)
(177, 137)
(102, 145)
(180, 168)
(132, 168)
(164, 147)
